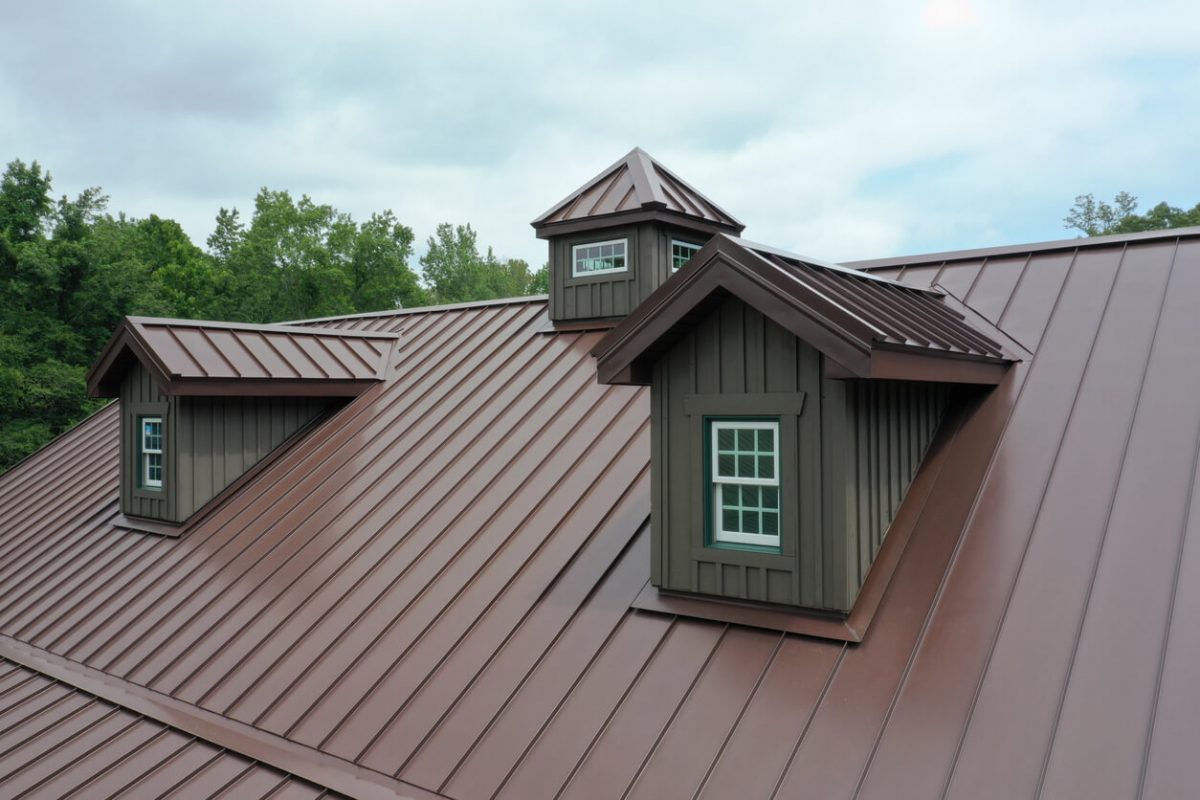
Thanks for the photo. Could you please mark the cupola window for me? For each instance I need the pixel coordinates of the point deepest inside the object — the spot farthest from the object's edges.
(598, 258)
(151, 452)
(681, 253)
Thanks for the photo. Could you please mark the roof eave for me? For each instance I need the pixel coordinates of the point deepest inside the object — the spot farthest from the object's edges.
(549, 230)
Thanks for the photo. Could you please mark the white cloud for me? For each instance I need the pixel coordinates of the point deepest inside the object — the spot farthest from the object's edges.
(837, 130)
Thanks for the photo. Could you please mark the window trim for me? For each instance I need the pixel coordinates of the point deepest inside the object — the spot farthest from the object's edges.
(714, 484)
(575, 273)
(144, 453)
(695, 249)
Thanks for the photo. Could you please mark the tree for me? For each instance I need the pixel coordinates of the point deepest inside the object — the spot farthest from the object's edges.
(24, 200)
(1093, 218)
(456, 272)
(298, 259)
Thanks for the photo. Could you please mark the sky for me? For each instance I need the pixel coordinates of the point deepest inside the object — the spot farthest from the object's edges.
(835, 130)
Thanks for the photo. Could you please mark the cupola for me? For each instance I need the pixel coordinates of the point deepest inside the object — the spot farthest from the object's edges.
(621, 235)
(205, 404)
(793, 403)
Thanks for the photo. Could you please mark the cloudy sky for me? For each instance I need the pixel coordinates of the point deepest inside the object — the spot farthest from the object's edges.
(839, 130)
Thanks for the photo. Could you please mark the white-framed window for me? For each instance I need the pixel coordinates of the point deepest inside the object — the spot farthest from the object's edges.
(681, 253)
(597, 258)
(744, 470)
(150, 452)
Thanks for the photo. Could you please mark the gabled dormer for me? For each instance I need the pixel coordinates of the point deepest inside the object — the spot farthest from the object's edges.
(621, 235)
(793, 403)
(203, 404)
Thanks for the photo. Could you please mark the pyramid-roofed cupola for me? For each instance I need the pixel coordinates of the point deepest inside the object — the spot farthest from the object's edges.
(621, 235)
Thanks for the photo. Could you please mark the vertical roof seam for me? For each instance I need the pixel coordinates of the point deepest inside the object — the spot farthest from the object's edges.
(675, 712)
(508, 539)
(1016, 288)
(222, 355)
(737, 721)
(834, 669)
(384, 525)
(539, 661)
(1166, 637)
(1087, 598)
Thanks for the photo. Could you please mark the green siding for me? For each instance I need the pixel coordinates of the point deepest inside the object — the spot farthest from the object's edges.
(210, 442)
(612, 294)
(850, 450)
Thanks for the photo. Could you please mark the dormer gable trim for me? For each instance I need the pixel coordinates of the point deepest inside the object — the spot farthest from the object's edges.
(203, 358)
(866, 326)
(635, 188)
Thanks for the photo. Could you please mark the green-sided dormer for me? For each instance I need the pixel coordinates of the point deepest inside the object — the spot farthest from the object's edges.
(621, 235)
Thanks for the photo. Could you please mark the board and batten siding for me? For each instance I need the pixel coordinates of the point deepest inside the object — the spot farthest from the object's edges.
(141, 396)
(209, 442)
(615, 294)
(849, 452)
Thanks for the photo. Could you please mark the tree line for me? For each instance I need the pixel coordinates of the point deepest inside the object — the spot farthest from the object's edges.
(70, 270)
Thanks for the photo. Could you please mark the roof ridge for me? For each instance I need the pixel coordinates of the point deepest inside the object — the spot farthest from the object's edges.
(400, 312)
(256, 327)
(255, 744)
(919, 259)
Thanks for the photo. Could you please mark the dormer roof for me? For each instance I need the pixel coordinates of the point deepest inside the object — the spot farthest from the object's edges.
(867, 326)
(193, 357)
(635, 187)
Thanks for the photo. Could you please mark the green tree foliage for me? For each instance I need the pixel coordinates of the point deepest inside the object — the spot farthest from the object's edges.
(1092, 218)
(456, 272)
(70, 270)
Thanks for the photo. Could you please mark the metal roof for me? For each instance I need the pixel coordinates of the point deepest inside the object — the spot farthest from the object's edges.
(202, 357)
(871, 326)
(434, 587)
(59, 742)
(636, 183)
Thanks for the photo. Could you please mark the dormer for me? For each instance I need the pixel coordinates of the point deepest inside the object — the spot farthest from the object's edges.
(621, 235)
(793, 403)
(205, 404)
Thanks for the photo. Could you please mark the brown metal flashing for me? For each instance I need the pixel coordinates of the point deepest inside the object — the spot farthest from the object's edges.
(578, 326)
(873, 329)
(209, 358)
(284, 755)
(603, 198)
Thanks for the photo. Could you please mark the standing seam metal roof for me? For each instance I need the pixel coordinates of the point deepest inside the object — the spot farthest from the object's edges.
(436, 584)
(59, 742)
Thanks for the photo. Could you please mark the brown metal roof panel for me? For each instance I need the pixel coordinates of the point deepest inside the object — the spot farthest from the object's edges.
(995, 283)
(634, 183)
(702, 723)
(1056, 568)
(459, 653)
(502, 548)
(200, 349)
(988, 559)
(235, 511)
(773, 721)
(370, 550)
(622, 678)
(1164, 442)
(540, 671)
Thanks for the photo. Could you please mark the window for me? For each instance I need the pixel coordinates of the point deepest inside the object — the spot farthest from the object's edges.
(150, 452)
(681, 253)
(598, 258)
(744, 472)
